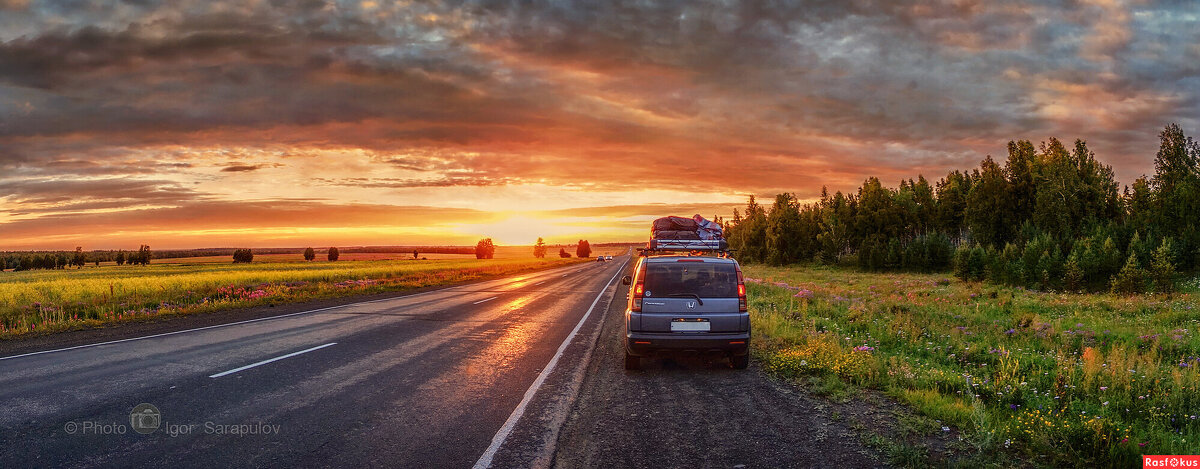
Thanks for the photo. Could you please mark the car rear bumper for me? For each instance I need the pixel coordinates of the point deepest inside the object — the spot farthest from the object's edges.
(649, 343)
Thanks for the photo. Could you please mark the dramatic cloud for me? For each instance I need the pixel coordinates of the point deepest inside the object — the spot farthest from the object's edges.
(553, 108)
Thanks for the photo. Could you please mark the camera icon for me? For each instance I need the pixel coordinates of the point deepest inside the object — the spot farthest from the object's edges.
(145, 418)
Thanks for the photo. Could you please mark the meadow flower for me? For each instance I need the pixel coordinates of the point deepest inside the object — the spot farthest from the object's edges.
(1103, 388)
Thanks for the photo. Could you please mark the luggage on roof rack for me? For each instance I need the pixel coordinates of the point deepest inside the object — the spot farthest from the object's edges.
(686, 234)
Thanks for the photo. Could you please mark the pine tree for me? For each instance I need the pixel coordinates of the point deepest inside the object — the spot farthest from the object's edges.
(1162, 270)
(1131, 278)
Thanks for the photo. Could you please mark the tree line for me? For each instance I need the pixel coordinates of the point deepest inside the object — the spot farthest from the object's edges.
(1049, 217)
(34, 260)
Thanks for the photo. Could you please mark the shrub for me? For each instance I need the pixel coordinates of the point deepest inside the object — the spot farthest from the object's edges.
(563, 253)
(243, 255)
(310, 254)
(1131, 279)
(977, 263)
(333, 254)
(961, 256)
(939, 251)
(584, 249)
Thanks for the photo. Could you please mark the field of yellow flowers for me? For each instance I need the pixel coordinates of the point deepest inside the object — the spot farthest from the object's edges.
(53, 300)
(1059, 379)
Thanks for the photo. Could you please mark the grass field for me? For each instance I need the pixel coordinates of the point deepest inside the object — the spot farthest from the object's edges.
(1051, 379)
(54, 300)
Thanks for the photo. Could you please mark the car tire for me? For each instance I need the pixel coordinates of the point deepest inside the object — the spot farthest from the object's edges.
(739, 362)
(632, 362)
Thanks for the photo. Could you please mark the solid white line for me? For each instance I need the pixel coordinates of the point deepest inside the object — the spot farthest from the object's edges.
(485, 460)
(264, 362)
(249, 320)
(484, 301)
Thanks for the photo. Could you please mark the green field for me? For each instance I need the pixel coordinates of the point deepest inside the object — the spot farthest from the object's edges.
(42, 301)
(1050, 379)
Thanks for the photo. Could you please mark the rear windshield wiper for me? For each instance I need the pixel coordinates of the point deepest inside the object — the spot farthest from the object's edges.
(693, 295)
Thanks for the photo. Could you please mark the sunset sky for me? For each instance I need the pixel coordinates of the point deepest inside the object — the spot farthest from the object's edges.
(201, 123)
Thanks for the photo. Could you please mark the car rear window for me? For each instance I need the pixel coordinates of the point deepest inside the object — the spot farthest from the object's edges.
(706, 279)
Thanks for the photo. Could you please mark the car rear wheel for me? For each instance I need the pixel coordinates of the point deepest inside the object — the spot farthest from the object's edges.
(739, 362)
(632, 362)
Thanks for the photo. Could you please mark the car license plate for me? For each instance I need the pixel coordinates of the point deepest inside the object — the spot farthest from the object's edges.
(681, 325)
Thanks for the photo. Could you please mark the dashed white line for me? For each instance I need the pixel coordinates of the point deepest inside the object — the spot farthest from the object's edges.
(264, 362)
(539, 283)
(484, 301)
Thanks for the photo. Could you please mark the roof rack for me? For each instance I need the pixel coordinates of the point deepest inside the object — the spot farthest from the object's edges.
(720, 247)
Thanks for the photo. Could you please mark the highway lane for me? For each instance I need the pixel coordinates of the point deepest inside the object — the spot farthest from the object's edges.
(415, 381)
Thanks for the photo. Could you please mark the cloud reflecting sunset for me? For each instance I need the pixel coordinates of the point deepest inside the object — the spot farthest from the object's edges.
(286, 123)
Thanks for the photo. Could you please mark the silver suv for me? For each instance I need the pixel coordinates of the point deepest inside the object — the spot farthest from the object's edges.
(681, 303)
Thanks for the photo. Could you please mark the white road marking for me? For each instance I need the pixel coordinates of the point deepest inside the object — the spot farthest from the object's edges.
(264, 362)
(539, 283)
(485, 460)
(484, 301)
(239, 322)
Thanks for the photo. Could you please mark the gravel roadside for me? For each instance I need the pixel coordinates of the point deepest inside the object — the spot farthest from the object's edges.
(687, 412)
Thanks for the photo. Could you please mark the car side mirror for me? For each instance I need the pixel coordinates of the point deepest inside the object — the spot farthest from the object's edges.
(626, 280)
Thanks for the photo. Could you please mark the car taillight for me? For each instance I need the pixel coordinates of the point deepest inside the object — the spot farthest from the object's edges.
(741, 291)
(637, 297)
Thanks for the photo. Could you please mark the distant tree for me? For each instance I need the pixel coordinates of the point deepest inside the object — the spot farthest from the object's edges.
(484, 249)
(1176, 186)
(141, 257)
(986, 204)
(310, 254)
(562, 252)
(539, 249)
(79, 259)
(120, 257)
(415, 254)
(243, 255)
(583, 249)
(333, 254)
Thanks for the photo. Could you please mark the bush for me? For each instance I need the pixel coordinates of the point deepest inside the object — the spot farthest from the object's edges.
(977, 263)
(961, 256)
(563, 253)
(872, 253)
(939, 251)
(242, 255)
(1131, 279)
(333, 254)
(310, 254)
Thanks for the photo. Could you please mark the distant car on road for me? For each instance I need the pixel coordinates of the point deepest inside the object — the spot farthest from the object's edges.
(599, 258)
(684, 303)
(608, 258)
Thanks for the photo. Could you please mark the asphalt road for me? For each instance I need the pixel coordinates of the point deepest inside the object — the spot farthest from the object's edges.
(427, 380)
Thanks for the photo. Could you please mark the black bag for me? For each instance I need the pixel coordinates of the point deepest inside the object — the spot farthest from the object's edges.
(673, 224)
